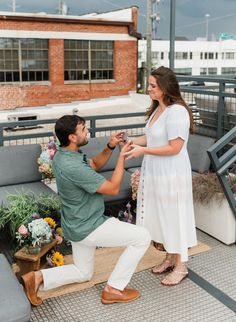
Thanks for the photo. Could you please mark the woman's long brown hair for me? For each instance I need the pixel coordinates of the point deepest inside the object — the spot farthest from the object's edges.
(168, 83)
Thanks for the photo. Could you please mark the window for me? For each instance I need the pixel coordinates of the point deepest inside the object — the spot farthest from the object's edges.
(162, 55)
(155, 54)
(203, 71)
(212, 70)
(208, 71)
(229, 55)
(139, 55)
(183, 71)
(23, 60)
(181, 55)
(228, 70)
(88, 60)
(201, 55)
(210, 55)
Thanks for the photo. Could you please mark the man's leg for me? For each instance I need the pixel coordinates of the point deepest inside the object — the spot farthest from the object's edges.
(80, 271)
(116, 233)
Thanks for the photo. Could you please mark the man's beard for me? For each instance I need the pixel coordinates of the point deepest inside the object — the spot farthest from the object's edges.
(82, 143)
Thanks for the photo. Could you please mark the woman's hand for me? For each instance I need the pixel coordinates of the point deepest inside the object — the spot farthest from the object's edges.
(135, 151)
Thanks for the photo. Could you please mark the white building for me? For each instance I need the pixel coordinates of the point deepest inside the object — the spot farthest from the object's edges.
(198, 57)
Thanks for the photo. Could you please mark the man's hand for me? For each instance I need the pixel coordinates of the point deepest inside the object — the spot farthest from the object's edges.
(125, 149)
(135, 151)
(115, 139)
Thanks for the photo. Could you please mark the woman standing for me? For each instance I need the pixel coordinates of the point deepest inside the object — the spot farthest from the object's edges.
(165, 204)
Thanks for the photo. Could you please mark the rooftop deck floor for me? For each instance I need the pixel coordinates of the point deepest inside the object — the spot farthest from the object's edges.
(208, 294)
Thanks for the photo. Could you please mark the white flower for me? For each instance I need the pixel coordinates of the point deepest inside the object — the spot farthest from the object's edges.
(40, 230)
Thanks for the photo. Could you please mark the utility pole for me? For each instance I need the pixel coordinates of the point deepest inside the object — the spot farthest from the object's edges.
(207, 16)
(149, 41)
(62, 8)
(14, 5)
(172, 34)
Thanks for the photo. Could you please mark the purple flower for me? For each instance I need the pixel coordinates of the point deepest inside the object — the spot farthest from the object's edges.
(128, 206)
(49, 261)
(35, 216)
(52, 145)
(126, 215)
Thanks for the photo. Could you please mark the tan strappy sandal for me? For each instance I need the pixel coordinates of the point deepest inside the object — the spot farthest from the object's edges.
(165, 266)
(174, 278)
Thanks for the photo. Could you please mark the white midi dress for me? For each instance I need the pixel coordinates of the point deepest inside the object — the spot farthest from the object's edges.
(165, 202)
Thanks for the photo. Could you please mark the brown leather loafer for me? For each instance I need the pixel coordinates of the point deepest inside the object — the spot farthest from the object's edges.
(127, 295)
(29, 285)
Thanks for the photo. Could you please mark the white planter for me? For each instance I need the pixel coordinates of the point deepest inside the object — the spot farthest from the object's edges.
(217, 220)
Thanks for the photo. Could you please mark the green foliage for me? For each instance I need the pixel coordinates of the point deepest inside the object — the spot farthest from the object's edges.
(48, 204)
(20, 208)
(142, 91)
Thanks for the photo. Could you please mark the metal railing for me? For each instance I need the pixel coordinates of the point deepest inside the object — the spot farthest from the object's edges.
(24, 132)
(223, 158)
(213, 103)
(213, 106)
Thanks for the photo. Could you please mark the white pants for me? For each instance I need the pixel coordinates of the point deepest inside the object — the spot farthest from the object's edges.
(111, 233)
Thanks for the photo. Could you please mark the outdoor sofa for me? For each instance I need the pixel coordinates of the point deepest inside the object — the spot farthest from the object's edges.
(19, 169)
(19, 173)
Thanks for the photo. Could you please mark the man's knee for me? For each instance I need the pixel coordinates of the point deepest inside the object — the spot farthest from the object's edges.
(86, 277)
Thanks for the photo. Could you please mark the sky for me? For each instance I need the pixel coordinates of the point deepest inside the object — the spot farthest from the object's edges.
(191, 20)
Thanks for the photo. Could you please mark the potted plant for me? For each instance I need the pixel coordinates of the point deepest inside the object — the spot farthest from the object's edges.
(213, 214)
(20, 208)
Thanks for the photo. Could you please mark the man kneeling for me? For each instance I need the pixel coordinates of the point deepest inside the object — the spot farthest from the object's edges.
(83, 222)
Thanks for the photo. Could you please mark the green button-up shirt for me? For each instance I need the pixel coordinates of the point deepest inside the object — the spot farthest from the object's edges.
(77, 183)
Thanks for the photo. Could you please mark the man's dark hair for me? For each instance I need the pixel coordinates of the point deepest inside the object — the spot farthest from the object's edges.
(65, 126)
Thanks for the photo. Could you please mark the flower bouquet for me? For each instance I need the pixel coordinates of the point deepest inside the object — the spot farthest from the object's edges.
(37, 232)
(45, 159)
(129, 214)
(135, 177)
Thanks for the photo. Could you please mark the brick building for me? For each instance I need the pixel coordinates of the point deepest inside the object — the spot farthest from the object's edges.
(49, 59)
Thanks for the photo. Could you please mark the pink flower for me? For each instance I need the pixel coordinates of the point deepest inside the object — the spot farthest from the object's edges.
(23, 230)
(59, 239)
(128, 206)
(52, 153)
(126, 215)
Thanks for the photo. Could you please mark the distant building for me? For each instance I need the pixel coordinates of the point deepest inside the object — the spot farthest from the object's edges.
(49, 59)
(198, 57)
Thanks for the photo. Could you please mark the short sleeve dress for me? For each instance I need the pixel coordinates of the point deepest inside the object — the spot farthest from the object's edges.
(165, 202)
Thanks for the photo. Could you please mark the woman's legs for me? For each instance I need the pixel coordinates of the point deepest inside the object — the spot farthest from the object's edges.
(166, 265)
(179, 272)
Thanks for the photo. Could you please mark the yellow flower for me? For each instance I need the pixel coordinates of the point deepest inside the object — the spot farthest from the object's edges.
(57, 259)
(50, 221)
(59, 231)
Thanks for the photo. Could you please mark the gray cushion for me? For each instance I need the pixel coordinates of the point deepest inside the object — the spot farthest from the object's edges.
(134, 163)
(34, 187)
(18, 164)
(96, 146)
(15, 306)
(197, 149)
(125, 189)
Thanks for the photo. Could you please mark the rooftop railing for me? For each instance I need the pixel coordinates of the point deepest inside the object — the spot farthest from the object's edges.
(213, 104)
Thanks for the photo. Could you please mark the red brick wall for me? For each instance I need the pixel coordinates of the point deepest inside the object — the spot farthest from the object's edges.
(125, 70)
